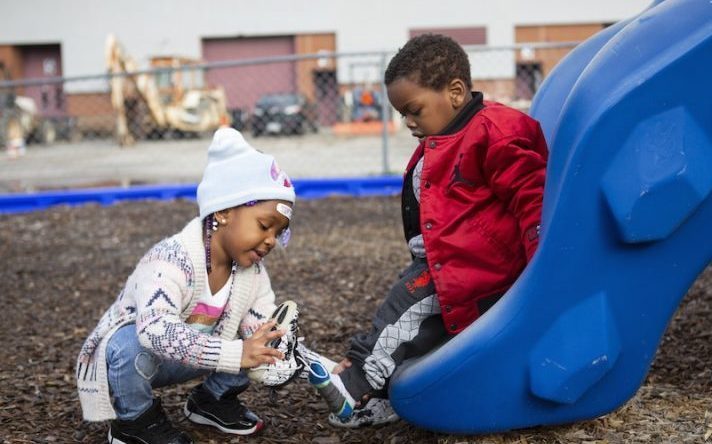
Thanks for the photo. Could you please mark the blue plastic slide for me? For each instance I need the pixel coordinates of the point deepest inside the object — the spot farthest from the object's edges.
(626, 230)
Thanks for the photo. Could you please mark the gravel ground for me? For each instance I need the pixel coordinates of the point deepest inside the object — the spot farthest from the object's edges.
(62, 268)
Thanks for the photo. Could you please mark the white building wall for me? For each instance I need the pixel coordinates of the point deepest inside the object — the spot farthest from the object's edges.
(160, 27)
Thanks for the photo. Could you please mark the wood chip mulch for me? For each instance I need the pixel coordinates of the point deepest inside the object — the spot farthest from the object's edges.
(61, 268)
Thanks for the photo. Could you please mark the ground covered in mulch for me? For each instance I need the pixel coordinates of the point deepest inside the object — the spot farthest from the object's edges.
(61, 268)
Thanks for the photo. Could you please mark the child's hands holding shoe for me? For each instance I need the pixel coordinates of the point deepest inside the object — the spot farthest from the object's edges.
(255, 350)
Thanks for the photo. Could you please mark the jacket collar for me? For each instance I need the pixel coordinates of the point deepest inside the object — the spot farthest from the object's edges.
(465, 114)
(457, 124)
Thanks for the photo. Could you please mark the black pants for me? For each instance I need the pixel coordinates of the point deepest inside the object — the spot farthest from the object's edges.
(407, 324)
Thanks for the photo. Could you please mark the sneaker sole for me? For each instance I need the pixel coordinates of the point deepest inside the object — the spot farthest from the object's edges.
(200, 419)
(333, 420)
(284, 315)
(113, 440)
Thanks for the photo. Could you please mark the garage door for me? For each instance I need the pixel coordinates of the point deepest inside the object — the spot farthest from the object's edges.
(476, 35)
(245, 84)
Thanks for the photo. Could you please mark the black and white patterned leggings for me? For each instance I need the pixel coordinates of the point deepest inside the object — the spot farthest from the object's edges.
(407, 324)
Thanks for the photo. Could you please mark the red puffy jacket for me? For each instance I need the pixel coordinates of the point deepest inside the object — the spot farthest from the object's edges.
(481, 192)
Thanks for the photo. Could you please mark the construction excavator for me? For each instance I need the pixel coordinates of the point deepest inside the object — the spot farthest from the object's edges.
(21, 121)
(168, 99)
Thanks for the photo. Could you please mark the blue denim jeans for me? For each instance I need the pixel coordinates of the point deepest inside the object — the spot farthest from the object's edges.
(135, 371)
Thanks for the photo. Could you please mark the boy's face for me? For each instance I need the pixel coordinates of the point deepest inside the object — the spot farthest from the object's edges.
(427, 111)
(250, 233)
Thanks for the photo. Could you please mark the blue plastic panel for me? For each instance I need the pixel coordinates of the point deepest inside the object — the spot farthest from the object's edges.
(305, 189)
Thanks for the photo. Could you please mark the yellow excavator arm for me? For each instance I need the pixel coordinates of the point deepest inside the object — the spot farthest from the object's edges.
(197, 110)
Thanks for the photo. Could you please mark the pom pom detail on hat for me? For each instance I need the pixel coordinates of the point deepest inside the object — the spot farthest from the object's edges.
(237, 173)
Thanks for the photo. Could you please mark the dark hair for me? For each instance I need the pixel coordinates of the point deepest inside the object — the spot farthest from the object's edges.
(431, 61)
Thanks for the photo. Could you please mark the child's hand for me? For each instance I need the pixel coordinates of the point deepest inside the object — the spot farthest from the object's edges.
(255, 350)
(341, 366)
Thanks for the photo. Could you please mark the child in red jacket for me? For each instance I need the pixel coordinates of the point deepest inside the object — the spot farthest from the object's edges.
(471, 205)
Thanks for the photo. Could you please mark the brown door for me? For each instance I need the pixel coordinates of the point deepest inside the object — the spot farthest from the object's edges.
(44, 61)
(328, 100)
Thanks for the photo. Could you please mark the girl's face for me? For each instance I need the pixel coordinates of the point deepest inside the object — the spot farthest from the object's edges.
(427, 111)
(246, 234)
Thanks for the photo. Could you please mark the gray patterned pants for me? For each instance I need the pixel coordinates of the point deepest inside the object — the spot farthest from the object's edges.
(407, 324)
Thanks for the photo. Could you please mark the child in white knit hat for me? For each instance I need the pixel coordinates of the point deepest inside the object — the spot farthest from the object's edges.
(197, 304)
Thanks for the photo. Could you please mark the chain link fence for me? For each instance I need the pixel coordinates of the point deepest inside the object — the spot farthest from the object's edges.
(321, 115)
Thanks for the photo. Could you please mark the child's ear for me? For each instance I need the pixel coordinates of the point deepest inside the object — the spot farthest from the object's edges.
(458, 92)
(222, 216)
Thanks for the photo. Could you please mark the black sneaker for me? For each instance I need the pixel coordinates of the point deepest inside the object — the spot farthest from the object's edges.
(227, 413)
(152, 427)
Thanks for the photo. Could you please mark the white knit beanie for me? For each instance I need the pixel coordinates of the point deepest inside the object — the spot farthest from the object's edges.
(237, 173)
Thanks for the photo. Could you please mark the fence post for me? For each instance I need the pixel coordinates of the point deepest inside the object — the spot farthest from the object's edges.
(384, 117)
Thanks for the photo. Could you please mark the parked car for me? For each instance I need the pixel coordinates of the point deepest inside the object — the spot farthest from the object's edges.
(287, 113)
(240, 118)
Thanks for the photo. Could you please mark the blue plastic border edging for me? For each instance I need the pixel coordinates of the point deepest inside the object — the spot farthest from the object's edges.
(305, 189)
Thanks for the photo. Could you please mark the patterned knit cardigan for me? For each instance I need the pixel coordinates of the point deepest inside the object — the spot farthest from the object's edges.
(159, 295)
